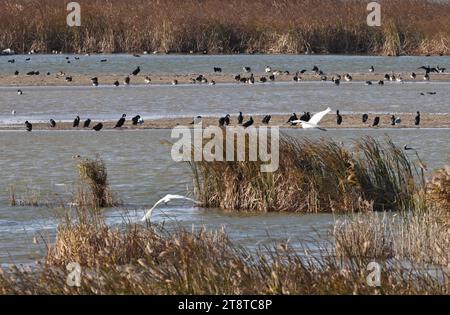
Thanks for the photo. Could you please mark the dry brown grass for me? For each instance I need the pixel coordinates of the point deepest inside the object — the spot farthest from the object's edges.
(314, 176)
(93, 189)
(151, 260)
(215, 26)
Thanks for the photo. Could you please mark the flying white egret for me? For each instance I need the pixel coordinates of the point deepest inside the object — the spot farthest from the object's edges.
(165, 199)
(314, 121)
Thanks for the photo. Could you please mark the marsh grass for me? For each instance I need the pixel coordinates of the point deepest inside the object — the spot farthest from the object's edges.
(93, 189)
(234, 26)
(32, 197)
(313, 176)
(139, 259)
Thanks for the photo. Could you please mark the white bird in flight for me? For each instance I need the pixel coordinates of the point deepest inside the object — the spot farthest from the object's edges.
(165, 199)
(314, 121)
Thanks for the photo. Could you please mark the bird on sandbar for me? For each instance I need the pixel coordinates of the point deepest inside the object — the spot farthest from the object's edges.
(87, 123)
(28, 126)
(338, 118)
(76, 122)
(98, 127)
(52, 123)
(376, 121)
(121, 121)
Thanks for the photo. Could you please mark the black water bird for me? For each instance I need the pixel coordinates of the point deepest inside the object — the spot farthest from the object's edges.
(376, 121)
(52, 123)
(224, 120)
(338, 118)
(237, 78)
(296, 77)
(12, 61)
(76, 122)
(240, 118)
(126, 80)
(116, 84)
(19, 92)
(381, 82)
(368, 82)
(272, 78)
(87, 123)
(303, 71)
(69, 79)
(263, 79)
(371, 69)
(387, 77)
(217, 69)
(315, 69)
(98, 127)
(248, 123)
(417, 119)
(428, 69)
(440, 70)
(323, 78)
(16, 72)
(292, 118)
(135, 120)
(413, 75)
(365, 117)
(121, 121)
(104, 60)
(266, 119)
(94, 81)
(28, 126)
(393, 120)
(306, 117)
(247, 69)
(136, 71)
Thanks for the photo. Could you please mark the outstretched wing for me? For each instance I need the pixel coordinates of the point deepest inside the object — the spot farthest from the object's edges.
(165, 199)
(315, 119)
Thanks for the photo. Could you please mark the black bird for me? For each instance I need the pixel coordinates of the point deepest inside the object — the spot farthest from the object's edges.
(28, 126)
(76, 122)
(52, 123)
(94, 81)
(121, 121)
(136, 71)
(104, 60)
(12, 61)
(387, 77)
(315, 69)
(306, 117)
(247, 69)
(16, 73)
(248, 123)
(296, 78)
(266, 119)
(368, 82)
(87, 123)
(417, 120)
(237, 78)
(127, 80)
(428, 69)
(338, 118)
(240, 118)
(381, 82)
(69, 79)
(272, 78)
(224, 120)
(303, 71)
(31, 73)
(217, 69)
(371, 69)
(292, 118)
(392, 120)
(116, 84)
(365, 117)
(135, 120)
(376, 121)
(98, 127)
(263, 79)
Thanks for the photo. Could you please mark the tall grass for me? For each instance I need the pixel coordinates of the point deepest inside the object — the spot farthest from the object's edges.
(152, 260)
(313, 176)
(215, 26)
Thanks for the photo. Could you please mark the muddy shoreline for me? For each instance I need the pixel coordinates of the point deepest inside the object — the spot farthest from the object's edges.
(329, 121)
(43, 79)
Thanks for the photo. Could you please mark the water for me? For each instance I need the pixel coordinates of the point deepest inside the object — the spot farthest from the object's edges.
(140, 168)
(230, 64)
(141, 171)
(64, 103)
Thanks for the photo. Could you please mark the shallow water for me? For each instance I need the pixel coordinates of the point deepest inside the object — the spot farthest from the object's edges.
(230, 64)
(141, 171)
(64, 103)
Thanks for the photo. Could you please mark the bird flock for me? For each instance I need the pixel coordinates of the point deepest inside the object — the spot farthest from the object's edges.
(247, 77)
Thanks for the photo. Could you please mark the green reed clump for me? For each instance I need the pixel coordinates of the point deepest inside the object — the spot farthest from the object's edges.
(93, 189)
(152, 260)
(313, 176)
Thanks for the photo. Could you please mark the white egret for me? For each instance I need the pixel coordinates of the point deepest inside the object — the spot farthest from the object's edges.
(165, 199)
(314, 121)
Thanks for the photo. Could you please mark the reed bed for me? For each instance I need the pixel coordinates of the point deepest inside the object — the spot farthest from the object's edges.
(32, 197)
(235, 26)
(313, 177)
(139, 259)
(93, 189)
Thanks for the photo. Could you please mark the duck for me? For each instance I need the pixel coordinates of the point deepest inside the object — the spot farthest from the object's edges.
(348, 77)
(376, 121)
(371, 69)
(127, 80)
(426, 77)
(116, 83)
(296, 78)
(147, 80)
(368, 83)
(413, 75)
(136, 71)
(263, 79)
(19, 92)
(174, 82)
(272, 78)
(268, 69)
(381, 82)
(135, 120)
(247, 69)
(365, 117)
(217, 69)
(94, 81)
(292, 118)
(52, 123)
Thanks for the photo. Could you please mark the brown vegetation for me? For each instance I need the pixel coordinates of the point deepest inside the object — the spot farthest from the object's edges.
(216, 26)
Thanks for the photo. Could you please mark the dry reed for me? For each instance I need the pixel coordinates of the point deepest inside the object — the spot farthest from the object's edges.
(215, 26)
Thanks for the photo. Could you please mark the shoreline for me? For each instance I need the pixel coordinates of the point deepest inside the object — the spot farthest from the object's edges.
(350, 121)
(23, 80)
